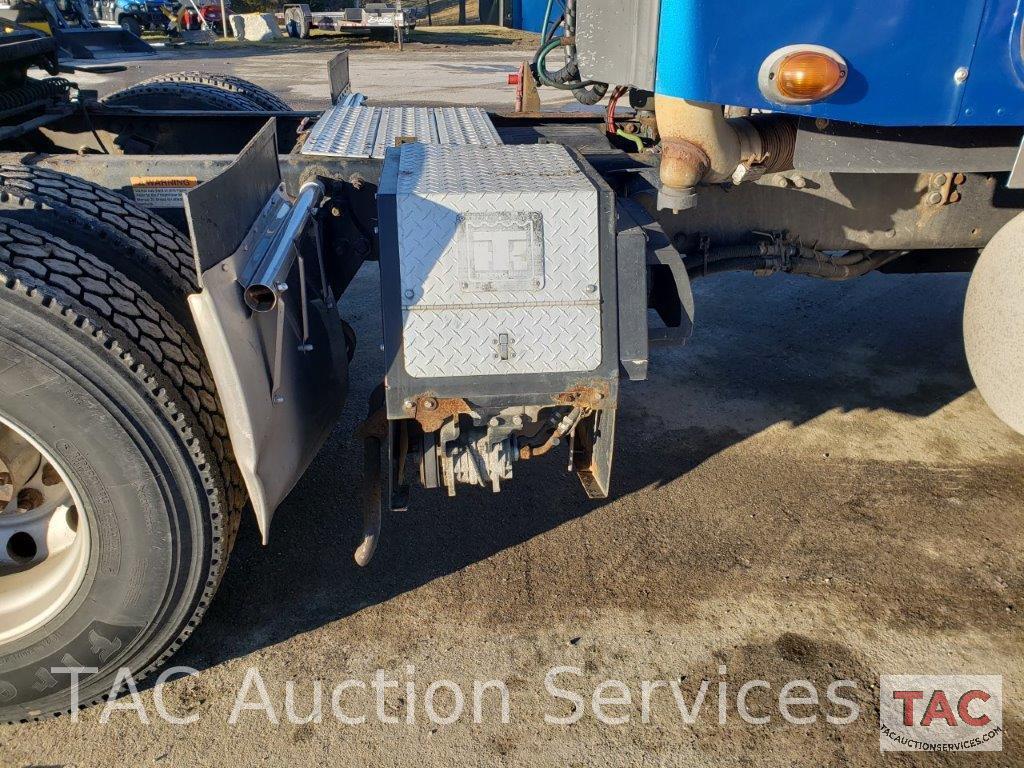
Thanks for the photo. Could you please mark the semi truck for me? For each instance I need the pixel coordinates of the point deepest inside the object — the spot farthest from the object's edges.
(172, 353)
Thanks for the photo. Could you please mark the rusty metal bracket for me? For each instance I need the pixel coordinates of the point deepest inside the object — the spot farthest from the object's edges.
(590, 396)
(432, 412)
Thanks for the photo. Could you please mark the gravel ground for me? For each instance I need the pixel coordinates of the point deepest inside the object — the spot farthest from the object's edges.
(810, 489)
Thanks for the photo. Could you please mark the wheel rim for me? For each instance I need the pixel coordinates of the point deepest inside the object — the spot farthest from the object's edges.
(44, 537)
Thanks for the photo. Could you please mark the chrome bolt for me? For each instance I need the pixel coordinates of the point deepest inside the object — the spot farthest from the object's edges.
(410, 293)
(408, 405)
(278, 399)
(495, 421)
(517, 421)
(961, 75)
(429, 403)
(282, 287)
(591, 288)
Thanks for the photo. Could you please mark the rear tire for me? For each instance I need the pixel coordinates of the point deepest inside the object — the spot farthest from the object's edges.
(107, 383)
(136, 243)
(181, 96)
(261, 97)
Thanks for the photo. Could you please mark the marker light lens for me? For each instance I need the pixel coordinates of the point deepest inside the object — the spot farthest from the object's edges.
(809, 76)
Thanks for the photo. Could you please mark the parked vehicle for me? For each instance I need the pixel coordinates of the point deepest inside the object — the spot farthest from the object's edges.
(75, 27)
(211, 14)
(171, 351)
(377, 20)
(135, 16)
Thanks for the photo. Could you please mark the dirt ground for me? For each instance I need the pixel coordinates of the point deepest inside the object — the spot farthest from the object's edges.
(810, 489)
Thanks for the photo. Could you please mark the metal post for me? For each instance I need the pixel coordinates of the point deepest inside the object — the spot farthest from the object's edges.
(223, 20)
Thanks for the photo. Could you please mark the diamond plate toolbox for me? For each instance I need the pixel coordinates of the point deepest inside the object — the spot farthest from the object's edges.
(356, 130)
(498, 261)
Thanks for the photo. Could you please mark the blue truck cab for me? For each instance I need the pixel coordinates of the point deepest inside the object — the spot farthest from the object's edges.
(911, 63)
(771, 137)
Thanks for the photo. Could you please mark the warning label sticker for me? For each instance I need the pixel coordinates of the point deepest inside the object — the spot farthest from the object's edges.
(162, 191)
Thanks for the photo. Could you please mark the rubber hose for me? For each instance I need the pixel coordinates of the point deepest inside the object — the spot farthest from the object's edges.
(631, 137)
(590, 95)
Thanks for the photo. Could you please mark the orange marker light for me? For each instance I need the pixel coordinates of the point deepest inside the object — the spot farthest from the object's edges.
(809, 76)
(801, 74)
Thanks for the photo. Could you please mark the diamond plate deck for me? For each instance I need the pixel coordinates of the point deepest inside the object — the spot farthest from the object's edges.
(347, 130)
(499, 261)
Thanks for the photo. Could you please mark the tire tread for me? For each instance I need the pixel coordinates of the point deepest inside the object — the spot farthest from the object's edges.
(152, 348)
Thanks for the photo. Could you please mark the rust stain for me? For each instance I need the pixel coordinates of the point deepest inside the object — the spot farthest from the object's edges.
(432, 412)
(585, 395)
(683, 162)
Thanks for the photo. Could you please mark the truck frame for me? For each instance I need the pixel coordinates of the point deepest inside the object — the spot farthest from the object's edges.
(171, 349)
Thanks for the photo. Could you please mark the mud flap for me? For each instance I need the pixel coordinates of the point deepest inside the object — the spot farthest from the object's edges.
(266, 319)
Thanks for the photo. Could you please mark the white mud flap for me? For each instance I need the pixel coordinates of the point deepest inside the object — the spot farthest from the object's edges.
(267, 320)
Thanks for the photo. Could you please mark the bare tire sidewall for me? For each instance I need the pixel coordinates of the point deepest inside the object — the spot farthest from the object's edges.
(149, 529)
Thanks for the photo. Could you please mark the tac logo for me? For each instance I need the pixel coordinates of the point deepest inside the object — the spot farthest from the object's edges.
(941, 713)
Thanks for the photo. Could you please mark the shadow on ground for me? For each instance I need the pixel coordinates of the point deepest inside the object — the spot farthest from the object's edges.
(765, 353)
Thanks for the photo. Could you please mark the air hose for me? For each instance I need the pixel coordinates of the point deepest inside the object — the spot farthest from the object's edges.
(568, 77)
